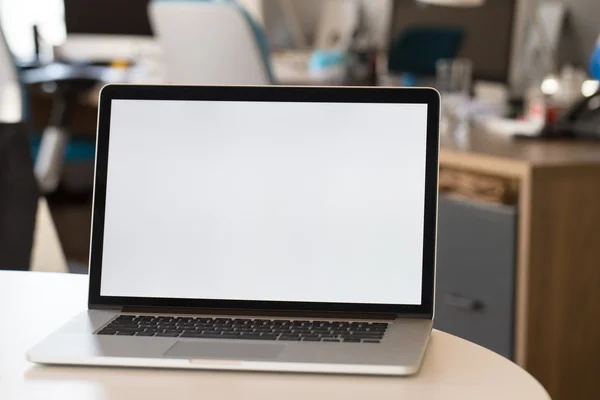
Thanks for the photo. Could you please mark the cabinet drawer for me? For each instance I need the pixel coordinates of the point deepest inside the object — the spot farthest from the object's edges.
(476, 272)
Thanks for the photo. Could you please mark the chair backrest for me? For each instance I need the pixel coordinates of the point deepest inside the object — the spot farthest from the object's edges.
(11, 90)
(210, 42)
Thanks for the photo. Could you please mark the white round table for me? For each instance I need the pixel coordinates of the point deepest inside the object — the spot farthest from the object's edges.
(33, 304)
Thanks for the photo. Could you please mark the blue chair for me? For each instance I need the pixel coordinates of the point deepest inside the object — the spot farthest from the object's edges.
(416, 50)
(210, 42)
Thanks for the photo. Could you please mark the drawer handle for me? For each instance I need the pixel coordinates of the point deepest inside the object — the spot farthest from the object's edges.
(462, 302)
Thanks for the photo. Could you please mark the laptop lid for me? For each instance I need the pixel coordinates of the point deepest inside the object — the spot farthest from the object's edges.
(273, 198)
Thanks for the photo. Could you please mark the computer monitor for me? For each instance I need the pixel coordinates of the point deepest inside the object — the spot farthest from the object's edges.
(107, 30)
(489, 32)
(107, 17)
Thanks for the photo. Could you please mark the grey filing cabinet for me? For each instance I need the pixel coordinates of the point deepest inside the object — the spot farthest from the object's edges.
(475, 283)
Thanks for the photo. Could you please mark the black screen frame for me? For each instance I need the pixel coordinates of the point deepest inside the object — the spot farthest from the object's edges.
(427, 96)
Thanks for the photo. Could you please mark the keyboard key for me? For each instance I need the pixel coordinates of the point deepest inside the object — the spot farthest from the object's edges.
(301, 331)
(268, 337)
(310, 335)
(311, 339)
(211, 336)
(249, 336)
(167, 334)
(367, 333)
(125, 333)
(191, 334)
(128, 329)
(122, 323)
(371, 341)
(351, 340)
(290, 338)
(338, 331)
(107, 332)
(331, 340)
(359, 336)
(177, 331)
(231, 335)
(145, 334)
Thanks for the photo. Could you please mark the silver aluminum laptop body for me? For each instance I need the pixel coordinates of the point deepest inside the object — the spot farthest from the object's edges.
(338, 266)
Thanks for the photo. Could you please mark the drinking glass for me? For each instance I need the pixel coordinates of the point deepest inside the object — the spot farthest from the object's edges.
(453, 81)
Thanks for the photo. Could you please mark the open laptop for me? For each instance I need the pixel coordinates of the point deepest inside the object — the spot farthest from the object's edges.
(260, 228)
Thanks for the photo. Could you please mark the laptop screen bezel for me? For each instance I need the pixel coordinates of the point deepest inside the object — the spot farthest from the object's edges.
(427, 96)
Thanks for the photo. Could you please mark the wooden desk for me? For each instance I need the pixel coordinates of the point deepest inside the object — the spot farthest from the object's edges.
(557, 293)
(37, 303)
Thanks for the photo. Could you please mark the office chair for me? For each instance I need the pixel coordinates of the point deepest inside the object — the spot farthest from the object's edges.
(210, 42)
(57, 148)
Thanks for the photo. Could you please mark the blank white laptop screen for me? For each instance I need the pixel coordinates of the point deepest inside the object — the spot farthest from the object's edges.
(312, 202)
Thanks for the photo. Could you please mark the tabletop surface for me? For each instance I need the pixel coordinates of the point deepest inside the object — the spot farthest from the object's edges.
(529, 152)
(35, 303)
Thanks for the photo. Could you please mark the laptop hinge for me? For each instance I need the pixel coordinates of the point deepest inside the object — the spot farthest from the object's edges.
(265, 313)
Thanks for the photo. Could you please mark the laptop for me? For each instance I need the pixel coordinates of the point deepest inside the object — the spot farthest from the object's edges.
(260, 228)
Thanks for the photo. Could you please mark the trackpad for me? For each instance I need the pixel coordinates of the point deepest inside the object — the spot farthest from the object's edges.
(224, 351)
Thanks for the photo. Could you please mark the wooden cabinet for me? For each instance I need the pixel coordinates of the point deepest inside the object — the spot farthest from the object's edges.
(556, 291)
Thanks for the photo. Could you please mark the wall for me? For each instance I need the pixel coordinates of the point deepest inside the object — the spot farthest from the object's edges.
(581, 31)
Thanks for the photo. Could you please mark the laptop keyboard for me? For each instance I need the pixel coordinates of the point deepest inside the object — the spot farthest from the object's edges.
(246, 328)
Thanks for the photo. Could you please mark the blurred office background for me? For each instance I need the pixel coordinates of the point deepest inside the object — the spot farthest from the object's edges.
(518, 261)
